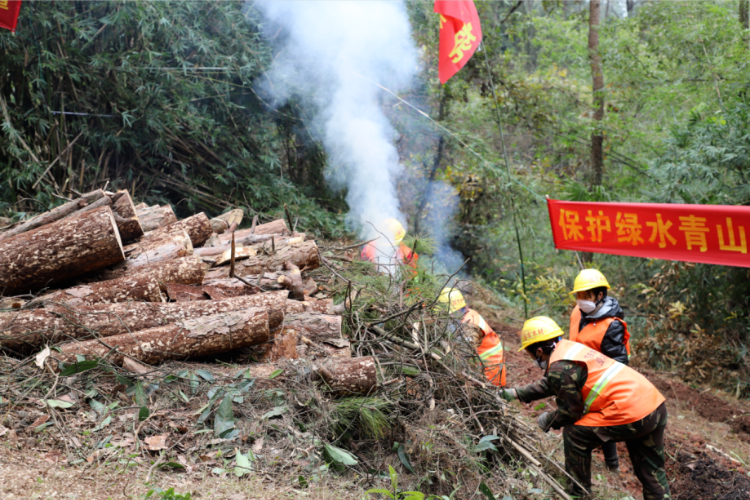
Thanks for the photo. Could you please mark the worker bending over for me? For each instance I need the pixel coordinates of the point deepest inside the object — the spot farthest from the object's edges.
(597, 322)
(488, 344)
(599, 400)
(377, 252)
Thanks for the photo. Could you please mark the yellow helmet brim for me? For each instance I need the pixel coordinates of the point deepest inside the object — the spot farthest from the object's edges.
(547, 336)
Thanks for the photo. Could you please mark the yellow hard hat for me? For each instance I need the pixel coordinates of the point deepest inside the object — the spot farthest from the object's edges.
(454, 297)
(538, 329)
(589, 279)
(396, 229)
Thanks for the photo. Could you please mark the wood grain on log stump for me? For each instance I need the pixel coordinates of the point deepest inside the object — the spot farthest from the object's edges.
(55, 214)
(183, 339)
(142, 288)
(154, 217)
(24, 330)
(61, 250)
(197, 227)
(129, 224)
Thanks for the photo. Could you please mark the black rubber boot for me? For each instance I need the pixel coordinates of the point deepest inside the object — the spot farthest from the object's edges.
(610, 456)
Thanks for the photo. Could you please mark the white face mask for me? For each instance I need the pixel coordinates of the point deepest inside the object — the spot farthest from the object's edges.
(586, 306)
(542, 364)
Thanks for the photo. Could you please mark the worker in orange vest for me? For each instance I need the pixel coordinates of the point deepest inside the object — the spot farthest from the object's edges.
(403, 255)
(489, 346)
(599, 400)
(597, 322)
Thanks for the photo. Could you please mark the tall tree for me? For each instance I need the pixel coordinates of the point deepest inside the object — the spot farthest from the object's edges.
(630, 5)
(744, 14)
(597, 77)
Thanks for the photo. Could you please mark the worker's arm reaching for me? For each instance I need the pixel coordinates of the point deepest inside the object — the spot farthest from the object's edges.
(564, 380)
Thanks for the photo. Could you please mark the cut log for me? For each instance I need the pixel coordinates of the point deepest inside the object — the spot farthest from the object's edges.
(25, 330)
(141, 288)
(305, 256)
(221, 292)
(185, 293)
(155, 217)
(282, 345)
(225, 221)
(188, 338)
(262, 244)
(139, 207)
(55, 214)
(315, 326)
(197, 227)
(128, 224)
(268, 281)
(277, 227)
(59, 251)
(327, 348)
(150, 250)
(184, 271)
(320, 306)
(343, 376)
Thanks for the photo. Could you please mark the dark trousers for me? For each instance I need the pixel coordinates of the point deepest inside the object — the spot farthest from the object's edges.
(645, 442)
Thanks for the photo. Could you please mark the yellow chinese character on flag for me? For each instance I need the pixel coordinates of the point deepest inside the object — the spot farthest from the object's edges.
(4, 4)
(597, 225)
(463, 43)
(695, 232)
(742, 247)
(628, 229)
(661, 229)
(570, 226)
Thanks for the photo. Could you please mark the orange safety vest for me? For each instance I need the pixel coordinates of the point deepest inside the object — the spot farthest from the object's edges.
(593, 333)
(404, 254)
(614, 394)
(490, 351)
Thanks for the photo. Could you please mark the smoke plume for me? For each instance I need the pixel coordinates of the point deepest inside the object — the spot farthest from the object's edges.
(327, 53)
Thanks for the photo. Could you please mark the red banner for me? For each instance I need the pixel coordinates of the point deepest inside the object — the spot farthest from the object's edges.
(9, 10)
(460, 35)
(711, 234)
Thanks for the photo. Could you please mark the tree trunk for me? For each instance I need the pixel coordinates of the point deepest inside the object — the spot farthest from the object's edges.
(185, 293)
(24, 330)
(314, 325)
(155, 217)
(303, 255)
(597, 77)
(319, 306)
(630, 6)
(185, 271)
(188, 338)
(309, 349)
(55, 214)
(197, 227)
(277, 227)
(150, 250)
(282, 345)
(744, 14)
(221, 292)
(58, 251)
(130, 226)
(266, 244)
(141, 288)
(268, 281)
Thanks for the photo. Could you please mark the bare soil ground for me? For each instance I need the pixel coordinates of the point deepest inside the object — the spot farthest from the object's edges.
(708, 435)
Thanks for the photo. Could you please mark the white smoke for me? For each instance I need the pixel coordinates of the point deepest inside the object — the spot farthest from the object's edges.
(325, 50)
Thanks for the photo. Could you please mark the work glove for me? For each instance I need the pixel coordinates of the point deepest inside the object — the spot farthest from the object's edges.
(543, 421)
(508, 394)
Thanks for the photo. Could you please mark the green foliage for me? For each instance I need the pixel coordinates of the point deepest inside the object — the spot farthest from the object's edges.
(366, 415)
(167, 495)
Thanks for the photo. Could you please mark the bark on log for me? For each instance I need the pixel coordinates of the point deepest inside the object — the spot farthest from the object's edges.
(343, 376)
(184, 271)
(154, 217)
(130, 226)
(188, 338)
(59, 251)
(319, 306)
(197, 227)
(185, 293)
(304, 256)
(140, 207)
(55, 214)
(309, 349)
(313, 325)
(221, 292)
(281, 345)
(266, 244)
(224, 221)
(292, 281)
(151, 250)
(277, 227)
(25, 330)
(141, 288)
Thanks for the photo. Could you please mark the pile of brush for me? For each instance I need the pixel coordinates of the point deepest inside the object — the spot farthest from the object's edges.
(100, 277)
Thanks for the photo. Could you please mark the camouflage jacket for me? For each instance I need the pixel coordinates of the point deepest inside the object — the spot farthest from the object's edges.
(564, 380)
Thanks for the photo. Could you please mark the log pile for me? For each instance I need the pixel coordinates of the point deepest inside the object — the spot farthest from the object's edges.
(102, 277)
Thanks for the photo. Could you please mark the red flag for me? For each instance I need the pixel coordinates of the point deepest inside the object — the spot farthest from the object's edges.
(711, 234)
(460, 35)
(9, 10)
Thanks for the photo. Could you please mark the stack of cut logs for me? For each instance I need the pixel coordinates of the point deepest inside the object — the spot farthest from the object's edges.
(100, 277)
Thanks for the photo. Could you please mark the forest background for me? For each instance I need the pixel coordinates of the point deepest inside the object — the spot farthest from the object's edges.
(163, 98)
